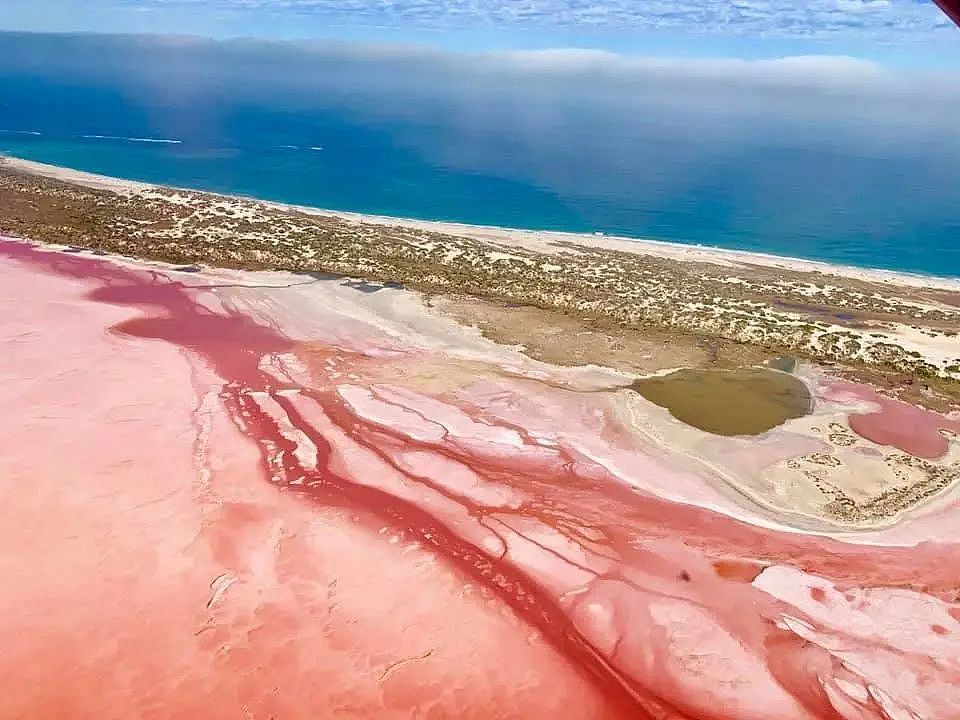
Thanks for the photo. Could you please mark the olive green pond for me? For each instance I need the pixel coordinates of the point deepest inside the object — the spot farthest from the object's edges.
(745, 401)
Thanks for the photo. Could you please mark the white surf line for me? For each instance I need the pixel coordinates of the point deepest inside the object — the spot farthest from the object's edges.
(132, 139)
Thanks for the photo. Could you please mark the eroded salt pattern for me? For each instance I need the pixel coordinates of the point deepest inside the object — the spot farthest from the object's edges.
(223, 501)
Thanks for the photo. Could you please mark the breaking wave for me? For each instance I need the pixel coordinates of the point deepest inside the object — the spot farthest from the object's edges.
(133, 139)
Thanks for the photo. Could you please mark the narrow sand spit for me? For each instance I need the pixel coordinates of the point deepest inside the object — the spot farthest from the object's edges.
(536, 240)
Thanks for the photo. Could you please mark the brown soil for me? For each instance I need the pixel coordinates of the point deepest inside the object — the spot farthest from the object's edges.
(571, 340)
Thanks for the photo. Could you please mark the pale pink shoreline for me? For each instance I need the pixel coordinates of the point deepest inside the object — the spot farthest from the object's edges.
(897, 424)
(245, 500)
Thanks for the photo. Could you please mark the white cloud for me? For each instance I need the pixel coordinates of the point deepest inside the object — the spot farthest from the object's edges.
(820, 68)
(889, 19)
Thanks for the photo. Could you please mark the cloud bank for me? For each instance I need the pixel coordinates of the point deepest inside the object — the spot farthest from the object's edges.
(563, 129)
(835, 101)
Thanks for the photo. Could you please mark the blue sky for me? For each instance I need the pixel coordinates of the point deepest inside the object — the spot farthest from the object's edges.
(893, 32)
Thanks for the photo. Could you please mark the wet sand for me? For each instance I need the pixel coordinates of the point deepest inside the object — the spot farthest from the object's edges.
(300, 500)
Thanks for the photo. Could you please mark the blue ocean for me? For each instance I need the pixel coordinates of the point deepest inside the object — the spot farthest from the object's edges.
(859, 173)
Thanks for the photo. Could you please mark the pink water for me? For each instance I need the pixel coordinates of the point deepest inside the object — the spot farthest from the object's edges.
(897, 424)
(205, 517)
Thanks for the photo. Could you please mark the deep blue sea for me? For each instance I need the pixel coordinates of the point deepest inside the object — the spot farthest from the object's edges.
(863, 176)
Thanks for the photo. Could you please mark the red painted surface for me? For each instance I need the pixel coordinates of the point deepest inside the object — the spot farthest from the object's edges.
(507, 580)
(951, 8)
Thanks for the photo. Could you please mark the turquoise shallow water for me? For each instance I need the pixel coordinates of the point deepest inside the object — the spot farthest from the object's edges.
(422, 139)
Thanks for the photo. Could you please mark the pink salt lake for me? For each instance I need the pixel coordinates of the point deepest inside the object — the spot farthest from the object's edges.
(217, 503)
(913, 430)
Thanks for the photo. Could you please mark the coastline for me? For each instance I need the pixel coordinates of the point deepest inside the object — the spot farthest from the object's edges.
(633, 305)
(544, 241)
(143, 221)
(325, 398)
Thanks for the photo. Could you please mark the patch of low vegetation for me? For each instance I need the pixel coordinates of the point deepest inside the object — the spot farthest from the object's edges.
(808, 315)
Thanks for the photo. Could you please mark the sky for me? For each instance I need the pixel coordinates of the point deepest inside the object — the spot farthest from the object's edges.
(898, 33)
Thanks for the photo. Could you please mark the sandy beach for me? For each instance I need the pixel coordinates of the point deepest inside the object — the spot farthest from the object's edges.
(536, 240)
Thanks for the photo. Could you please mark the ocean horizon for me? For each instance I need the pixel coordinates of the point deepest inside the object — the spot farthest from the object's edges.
(457, 140)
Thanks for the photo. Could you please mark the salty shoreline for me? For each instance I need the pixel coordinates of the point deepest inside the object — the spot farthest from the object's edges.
(303, 467)
(544, 241)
